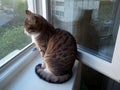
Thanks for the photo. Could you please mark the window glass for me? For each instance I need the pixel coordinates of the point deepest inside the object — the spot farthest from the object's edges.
(12, 35)
(90, 21)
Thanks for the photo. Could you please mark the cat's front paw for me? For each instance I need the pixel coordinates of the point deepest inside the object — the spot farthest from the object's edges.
(38, 67)
(41, 52)
(43, 65)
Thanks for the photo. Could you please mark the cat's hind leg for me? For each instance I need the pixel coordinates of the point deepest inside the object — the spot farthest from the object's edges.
(48, 76)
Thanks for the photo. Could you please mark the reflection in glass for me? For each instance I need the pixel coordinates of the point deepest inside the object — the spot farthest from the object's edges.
(90, 21)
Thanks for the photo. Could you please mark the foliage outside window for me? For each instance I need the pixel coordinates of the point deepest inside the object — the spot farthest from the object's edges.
(12, 17)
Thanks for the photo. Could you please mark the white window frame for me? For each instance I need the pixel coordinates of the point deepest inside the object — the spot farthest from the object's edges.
(110, 69)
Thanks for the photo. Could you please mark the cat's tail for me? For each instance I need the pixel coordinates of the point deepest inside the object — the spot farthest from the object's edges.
(46, 75)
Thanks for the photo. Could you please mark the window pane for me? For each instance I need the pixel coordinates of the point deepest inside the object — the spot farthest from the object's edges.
(12, 35)
(91, 22)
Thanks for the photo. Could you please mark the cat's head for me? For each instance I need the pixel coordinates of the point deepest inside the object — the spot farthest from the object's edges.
(33, 23)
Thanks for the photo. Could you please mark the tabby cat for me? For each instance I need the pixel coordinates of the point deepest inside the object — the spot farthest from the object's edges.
(58, 48)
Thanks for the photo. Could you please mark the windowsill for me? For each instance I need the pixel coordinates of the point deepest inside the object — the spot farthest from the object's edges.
(15, 54)
(26, 79)
(8, 57)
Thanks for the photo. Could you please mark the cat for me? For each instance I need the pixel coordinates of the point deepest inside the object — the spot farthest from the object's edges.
(58, 48)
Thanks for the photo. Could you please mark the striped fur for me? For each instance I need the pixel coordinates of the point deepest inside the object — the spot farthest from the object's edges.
(58, 48)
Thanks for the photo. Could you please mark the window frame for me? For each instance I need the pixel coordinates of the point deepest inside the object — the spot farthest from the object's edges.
(110, 69)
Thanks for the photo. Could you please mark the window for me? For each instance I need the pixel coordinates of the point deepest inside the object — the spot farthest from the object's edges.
(95, 26)
(85, 19)
(12, 16)
(92, 24)
(58, 3)
(59, 13)
(58, 8)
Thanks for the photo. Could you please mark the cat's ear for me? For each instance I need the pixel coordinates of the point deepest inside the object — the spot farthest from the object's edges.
(28, 13)
(31, 17)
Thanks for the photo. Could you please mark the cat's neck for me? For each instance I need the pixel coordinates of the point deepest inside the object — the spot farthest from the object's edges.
(48, 30)
(45, 33)
(35, 35)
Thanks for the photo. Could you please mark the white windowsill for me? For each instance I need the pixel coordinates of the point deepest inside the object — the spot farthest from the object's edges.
(26, 79)
(8, 57)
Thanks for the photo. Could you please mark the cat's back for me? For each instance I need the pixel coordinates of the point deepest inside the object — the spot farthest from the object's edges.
(62, 43)
(61, 53)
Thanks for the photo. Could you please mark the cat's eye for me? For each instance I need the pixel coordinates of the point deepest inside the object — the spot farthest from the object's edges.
(31, 28)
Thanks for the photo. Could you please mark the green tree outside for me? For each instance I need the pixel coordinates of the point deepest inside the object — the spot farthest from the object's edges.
(12, 35)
